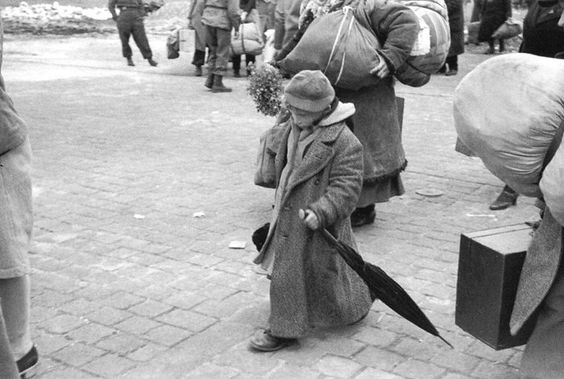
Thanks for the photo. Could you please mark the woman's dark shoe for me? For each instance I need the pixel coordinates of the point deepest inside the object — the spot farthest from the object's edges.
(264, 341)
(28, 363)
(152, 62)
(363, 216)
(504, 200)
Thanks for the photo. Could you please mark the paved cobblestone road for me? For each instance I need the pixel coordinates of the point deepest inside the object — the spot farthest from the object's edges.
(127, 283)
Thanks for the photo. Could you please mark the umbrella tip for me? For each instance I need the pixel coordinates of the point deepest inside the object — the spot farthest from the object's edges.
(445, 341)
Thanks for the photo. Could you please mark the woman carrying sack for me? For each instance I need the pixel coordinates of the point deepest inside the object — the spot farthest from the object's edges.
(376, 121)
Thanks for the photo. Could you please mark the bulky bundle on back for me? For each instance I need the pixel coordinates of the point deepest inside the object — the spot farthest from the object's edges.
(510, 112)
(338, 45)
(432, 45)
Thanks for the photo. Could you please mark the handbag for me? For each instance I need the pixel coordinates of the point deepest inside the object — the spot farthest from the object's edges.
(265, 175)
(508, 29)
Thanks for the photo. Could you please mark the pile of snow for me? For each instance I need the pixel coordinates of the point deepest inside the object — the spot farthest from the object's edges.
(46, 12)
(55, 19)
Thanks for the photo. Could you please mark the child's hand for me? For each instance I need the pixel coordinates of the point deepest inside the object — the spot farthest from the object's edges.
(309, 218)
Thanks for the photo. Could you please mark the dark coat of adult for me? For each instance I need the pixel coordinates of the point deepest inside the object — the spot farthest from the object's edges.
(376, 122)
(311, 285)
(492, 14)
(456, 24)
(541, 33)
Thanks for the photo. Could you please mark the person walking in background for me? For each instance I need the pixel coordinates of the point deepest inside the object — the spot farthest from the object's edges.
(195, 23)
(493, 14)
(130, 23)
(376, 122)
(16, 222)
(219, 18)
(456, 23)
(543, 34)
(247, 6)
(319, 170)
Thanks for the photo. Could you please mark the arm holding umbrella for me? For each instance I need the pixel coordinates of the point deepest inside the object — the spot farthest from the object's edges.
(381, 285)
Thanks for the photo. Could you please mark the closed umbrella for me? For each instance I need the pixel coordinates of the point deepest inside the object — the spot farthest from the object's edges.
(383, 287)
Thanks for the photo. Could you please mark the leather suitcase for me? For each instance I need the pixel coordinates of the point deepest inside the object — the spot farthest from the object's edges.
(489, 266)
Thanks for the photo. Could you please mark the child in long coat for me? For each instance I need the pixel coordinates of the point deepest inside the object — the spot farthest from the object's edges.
(319, 177)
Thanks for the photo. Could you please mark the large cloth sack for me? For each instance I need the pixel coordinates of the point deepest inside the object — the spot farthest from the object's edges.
(337, 44)
(509, 29)
(552, 181)
(249, 40)
(508, 111)
(433, 43)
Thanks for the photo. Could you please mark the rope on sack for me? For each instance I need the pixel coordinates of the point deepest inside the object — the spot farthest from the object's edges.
(347, 10)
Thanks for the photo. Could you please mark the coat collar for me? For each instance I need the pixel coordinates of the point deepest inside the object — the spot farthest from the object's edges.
(316, 159)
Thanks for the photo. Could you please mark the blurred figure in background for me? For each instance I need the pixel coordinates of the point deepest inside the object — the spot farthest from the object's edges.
(219, 18)
(130, 23)
(456, 23)
(543, 28)
(249, 14)
(195, 23)
(493, 14)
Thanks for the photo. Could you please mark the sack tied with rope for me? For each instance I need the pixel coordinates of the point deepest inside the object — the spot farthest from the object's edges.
(338, 45)
(249, 41)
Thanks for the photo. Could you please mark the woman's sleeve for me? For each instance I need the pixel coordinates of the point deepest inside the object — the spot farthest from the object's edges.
(396, 27)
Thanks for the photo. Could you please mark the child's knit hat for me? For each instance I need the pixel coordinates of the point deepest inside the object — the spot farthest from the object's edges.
(309, 91)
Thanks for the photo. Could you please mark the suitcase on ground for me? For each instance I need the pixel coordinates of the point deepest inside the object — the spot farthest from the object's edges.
(489, 266)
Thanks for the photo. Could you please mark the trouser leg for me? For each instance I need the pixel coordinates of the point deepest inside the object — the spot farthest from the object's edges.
(15, 296)
(223, 51)
(452, 62)
(8, 367)
(199, 58)
(211, 41)
(124, 30)
(236, 61)
(140, 38)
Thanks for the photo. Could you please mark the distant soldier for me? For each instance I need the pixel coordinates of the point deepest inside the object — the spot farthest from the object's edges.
(130, 22)
(219, 17)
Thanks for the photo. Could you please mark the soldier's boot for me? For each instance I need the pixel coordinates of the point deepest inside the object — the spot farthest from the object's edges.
(218, 85)
(209, 81)
(130, 62)
(152, 62)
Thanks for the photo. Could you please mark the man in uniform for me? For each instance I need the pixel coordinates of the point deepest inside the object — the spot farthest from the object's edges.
(130, 22)
(219, 18)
